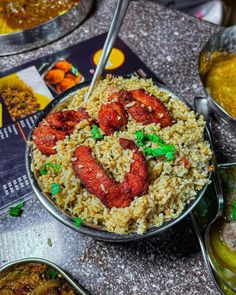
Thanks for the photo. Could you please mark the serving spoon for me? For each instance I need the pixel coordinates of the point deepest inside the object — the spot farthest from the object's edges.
(122, 6)
(202, 108)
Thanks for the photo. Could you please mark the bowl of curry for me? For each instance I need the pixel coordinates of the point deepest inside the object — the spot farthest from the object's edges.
(217, 69)
(27, 24)
(36, 276)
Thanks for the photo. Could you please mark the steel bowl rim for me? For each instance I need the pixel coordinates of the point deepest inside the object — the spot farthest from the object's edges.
(49, 263)
(89, 230)
(212, 101)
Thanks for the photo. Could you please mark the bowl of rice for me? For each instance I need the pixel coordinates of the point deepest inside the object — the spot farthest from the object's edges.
(125, 183)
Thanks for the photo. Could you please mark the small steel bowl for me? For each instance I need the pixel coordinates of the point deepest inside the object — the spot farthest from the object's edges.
(224, 41)
(9, 266)
(46, 32)
(94, 231)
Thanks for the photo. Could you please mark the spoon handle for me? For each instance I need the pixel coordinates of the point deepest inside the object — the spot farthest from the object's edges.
(117, 21)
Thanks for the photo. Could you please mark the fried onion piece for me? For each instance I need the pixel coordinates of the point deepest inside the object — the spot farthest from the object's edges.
(110, 192)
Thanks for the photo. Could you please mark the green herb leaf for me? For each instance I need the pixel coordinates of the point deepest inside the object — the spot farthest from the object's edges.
(234, 205)
(74, 71)
(234, 211)
(234, 215)
(78, 221)
(49, 242)
(52, 274)
(96, 132)
(56, 167)
(141, 138)
(17, 210)
(167, 151)
(55, 188)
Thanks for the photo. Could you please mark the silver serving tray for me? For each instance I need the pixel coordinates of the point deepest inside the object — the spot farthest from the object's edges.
(86, 228)
(11, 265)
(224, 41)
(47, 32)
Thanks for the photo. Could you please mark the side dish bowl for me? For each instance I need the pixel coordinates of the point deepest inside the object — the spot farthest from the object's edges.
(222, 42)
(87, 228)
(11, 266)
(45, 33)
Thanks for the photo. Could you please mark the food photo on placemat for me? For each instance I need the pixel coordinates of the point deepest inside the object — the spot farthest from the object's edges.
(102, 154)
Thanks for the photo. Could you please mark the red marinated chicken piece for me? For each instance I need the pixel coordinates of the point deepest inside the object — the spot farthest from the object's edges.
(143, 107)
(112, 117)
(56, 127)
(156, 110)
(46, 137)
(66, 120)
(110, 192)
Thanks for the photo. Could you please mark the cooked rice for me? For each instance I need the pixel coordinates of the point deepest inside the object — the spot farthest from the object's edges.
(171, 187)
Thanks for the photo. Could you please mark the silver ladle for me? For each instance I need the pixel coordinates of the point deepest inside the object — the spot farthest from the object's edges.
(117, 21)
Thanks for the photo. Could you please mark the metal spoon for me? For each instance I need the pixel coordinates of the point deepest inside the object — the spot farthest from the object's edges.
(202, 108)
(117, 21)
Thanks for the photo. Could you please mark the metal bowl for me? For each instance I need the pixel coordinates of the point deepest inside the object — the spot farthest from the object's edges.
(224, 41)
(86, 228)
(46, 32)
(11, 265)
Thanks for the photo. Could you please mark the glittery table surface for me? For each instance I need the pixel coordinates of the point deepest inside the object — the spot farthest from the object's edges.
(169, 43)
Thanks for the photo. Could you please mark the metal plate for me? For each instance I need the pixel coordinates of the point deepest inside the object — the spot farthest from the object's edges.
(47, 32)
(11, 265)
(88, 229)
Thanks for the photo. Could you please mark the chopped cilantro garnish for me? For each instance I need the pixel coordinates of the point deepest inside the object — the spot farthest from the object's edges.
(170, 156)
(234, 215)
(74, 71)
(141, 138)
(96, 132)
(55, 188)
(234, 211)
(56, 167)
(78, 221)
(53, 275)
(165, 150)
(49, 242)
(17, 210)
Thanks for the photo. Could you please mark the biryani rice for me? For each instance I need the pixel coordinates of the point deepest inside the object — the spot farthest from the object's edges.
(171, 186)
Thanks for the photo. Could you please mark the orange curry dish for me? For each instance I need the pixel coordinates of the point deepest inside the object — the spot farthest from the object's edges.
(26, 14)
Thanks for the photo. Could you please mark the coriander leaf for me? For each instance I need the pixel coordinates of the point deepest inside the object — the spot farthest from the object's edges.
(234, 215)
(17, 210)
(167, 151)
(234, 205)
(55, 188)
(96, 132)
(56, 167)
(78, 221)
(53, 274)
(44, 170)
(170, 156)
(74, 71)
(148, 151)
